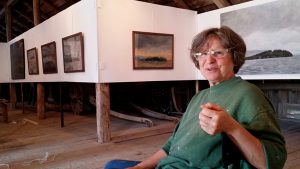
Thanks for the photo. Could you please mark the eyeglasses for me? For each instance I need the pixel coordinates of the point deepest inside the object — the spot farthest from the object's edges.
(218, 54)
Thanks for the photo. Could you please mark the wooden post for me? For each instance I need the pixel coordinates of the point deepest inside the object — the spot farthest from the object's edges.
(22, 98)
(36, 12)
(13, 95)
(62, 120)
(40, 107)
(8, 22)
(103, 111)
(197, 86)
(12, 87)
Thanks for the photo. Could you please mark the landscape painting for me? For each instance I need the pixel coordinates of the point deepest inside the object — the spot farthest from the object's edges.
(17, 58)
(49, 58)
(272, 34)
(32, 59)
(152, 50)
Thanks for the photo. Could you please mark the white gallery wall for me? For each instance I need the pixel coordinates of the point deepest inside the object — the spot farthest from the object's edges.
(81, 17)
(4, 63)
(116, 21)
(107, 27)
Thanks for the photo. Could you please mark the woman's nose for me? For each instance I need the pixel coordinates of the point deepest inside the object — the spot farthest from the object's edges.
(210, 58)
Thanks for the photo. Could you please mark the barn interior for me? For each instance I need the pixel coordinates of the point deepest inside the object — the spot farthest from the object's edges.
(49, 121)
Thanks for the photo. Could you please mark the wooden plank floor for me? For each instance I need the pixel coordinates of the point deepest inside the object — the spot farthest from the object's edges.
(29, 143)
(291, 132)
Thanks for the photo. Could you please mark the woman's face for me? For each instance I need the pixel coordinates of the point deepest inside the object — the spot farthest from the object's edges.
(216, 65)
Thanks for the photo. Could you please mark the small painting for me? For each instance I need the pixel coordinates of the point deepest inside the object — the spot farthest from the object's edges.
(33, 64)
(73, 53)
(17, 58)
(152, 50)
(49, 58)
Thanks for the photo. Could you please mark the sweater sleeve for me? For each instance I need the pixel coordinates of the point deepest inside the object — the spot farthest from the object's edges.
(265, 128)
(166, 147)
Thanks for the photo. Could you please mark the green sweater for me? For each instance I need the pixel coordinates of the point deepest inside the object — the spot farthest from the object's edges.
(190, 147)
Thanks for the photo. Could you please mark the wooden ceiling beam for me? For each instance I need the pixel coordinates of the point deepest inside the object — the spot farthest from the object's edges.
(19, 24)
(2, 27)
(2, 12)
(2, 33)
(181, 4)
(43, 16)
(239, 1)
(221, 3)
(24, 16)
(2, 36)
(8, 3)
(51, 6)
(73, 1)
(16, 32)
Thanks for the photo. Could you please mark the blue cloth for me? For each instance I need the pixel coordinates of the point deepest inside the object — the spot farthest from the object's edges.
(120, 164)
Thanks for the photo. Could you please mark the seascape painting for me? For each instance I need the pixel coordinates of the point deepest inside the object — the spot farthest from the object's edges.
(272, 34)
(152, 50)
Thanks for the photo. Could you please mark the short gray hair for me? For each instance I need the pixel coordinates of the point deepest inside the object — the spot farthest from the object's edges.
(228, 38)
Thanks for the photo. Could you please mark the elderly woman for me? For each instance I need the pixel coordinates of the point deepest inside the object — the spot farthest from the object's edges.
(230, 106)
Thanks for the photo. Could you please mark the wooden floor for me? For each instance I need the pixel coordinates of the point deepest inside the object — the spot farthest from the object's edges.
(29, 143)
(291, 132)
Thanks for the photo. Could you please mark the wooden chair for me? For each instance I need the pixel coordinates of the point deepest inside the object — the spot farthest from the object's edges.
(231, 155)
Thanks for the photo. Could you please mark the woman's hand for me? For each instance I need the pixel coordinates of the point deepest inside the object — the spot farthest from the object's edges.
(213, 119)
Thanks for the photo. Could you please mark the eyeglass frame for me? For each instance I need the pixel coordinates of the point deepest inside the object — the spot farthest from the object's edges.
(202, 55)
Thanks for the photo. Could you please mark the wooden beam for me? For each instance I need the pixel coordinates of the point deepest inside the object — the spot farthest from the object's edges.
(239, 1)
(181, 4)
(221, 3)
(103, 112)
(51, 6)
(8, 22)
(27, 18)
(19, 24)
(2, 36)
(2, 13)
(36, 11)
(40, 107)
(72, 1)
(2, 27)
(13, 95)
(8, 3)
(16, 32)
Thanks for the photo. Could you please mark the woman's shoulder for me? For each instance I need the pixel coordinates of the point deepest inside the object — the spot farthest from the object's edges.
(247, 87)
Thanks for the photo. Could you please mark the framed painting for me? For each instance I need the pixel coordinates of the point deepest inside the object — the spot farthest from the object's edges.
(73, 53)
(32, 59)
(273, 50)
(49, 58)
(152, 50)
(17, 58)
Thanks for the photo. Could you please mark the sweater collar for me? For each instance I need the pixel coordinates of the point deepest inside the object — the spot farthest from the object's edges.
(225, 84)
